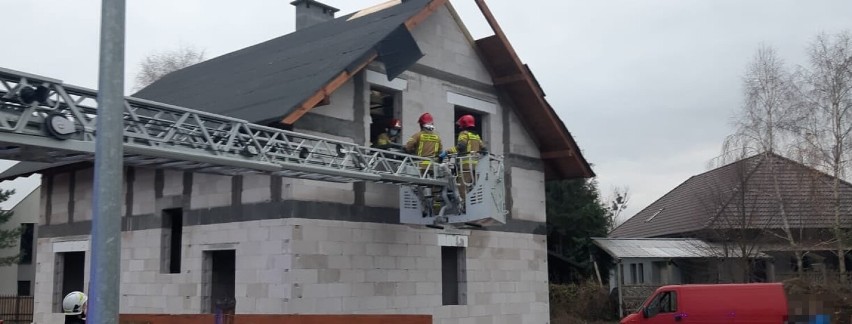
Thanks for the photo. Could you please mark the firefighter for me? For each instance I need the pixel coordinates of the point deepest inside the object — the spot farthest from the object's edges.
(390, 137)
(74, 306)
(468, 144)
(426, 143)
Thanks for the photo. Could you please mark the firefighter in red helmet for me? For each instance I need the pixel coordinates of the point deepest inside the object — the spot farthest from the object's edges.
(426, 143)
(468, 145)
(390, 137)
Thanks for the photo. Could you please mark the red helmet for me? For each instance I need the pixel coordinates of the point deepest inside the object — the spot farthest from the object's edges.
(466, 121)
(425, 119)
(395, 123)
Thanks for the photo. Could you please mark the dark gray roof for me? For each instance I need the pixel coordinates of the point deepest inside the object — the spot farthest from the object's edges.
(742, 195)
(266, 81)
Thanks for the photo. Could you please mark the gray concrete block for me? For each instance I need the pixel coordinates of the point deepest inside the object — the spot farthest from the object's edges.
(363, 289)
(257, 290)
(376, 275)
(333, 305)
(385, 262)
(363, 262)
(328, 275)
(428, 288)
(311, 261)
(353, 276)
(339, 261)
(339, 289)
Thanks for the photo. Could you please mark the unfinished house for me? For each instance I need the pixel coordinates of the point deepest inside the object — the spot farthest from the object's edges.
(195, 243)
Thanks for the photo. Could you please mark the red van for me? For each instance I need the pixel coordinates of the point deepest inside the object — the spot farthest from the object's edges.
(715, 303)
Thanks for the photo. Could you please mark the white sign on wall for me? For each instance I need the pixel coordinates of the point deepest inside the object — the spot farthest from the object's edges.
(452, 240)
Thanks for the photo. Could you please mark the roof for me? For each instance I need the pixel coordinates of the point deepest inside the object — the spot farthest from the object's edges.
(283, 78)
(266, 81)
(662, 248)
(740, 195)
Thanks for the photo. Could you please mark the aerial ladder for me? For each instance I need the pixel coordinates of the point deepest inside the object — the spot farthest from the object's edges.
(44, 120)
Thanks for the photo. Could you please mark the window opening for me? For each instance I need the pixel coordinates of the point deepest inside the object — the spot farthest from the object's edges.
(24, 288)
(383, 109)
(26, 246)
(171, 240)
(453, 275)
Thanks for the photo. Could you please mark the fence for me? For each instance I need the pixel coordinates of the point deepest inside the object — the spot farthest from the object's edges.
(16, 309)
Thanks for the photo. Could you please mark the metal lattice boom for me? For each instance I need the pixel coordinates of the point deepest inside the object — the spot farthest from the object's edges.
(43, 120)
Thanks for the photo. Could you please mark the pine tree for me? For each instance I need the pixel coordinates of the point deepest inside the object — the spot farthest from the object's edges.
(9, 238)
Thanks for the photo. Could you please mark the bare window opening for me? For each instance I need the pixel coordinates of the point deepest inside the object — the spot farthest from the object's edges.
(453, 275)
(171, 240)
(27, 243)
(218, 282)
(69, 275)
(633, 276)
(24, 288)
(479, 117)
(384, 107)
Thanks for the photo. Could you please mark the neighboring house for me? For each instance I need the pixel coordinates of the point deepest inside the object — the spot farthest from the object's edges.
(744, 208)
(193, 242)
(19, 279)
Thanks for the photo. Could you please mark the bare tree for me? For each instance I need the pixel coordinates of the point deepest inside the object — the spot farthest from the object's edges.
(767, 125)
(734, 221)
(829, 110)
(617, 204)
(157, 65)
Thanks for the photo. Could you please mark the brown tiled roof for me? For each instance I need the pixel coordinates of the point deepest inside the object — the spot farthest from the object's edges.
(743, 194)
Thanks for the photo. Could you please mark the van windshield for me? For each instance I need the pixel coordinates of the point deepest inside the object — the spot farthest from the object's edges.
(646, 301)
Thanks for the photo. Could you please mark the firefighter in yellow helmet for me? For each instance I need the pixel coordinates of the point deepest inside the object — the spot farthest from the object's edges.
(74, 306)
(468, 145)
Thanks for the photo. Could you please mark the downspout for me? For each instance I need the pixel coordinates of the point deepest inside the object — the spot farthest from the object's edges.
(619, 278)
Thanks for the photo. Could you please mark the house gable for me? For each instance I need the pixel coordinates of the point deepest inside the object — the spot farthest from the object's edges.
(447, 46)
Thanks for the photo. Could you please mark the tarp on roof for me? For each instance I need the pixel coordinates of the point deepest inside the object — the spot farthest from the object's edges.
(664, 248)
(264, 82)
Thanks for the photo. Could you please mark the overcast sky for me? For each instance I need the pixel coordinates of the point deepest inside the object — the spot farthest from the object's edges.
(647, 88)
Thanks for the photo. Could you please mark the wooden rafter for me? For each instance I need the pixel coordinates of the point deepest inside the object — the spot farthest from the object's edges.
(519, 76)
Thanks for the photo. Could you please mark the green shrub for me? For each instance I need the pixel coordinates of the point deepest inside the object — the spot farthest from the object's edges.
(580, 303)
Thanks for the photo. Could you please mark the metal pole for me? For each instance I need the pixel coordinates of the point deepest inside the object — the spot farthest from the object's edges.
(104, 276)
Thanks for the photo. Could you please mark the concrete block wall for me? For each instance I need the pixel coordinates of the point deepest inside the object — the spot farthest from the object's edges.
(345, 267)
(443, 41)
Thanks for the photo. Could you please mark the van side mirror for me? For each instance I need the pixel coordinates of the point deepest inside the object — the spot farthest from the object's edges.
(645, 312)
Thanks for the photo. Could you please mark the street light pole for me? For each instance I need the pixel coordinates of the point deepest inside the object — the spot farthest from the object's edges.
(105, 267)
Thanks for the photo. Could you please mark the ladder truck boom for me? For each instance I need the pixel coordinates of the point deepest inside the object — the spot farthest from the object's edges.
(44, 120)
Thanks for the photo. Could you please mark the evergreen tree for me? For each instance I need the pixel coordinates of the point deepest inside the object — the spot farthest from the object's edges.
(8, 237)
(575, 214)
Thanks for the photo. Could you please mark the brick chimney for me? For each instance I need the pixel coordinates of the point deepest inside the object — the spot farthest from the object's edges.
(310, 12)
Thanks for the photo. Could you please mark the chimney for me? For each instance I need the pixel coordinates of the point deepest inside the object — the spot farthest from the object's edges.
(310, 12)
